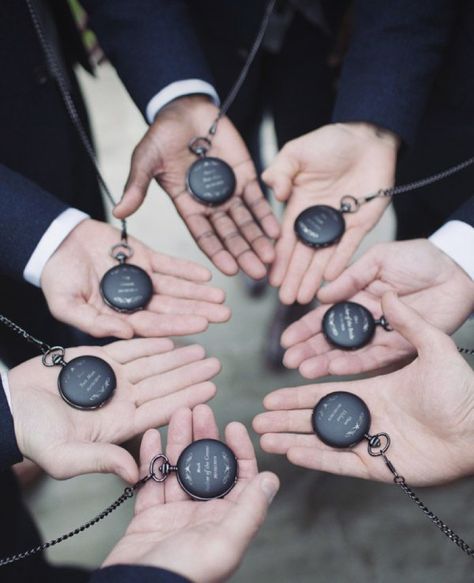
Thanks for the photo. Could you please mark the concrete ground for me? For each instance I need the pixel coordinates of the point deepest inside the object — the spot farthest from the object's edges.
(320, 528)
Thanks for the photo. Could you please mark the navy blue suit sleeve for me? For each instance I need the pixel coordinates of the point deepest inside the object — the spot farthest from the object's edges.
(9, 452)
(134, 574)
(151, 43)
(395, 53)
(465, 213)
(26, 213)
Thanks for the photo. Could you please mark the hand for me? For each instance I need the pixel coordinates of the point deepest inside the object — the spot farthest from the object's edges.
(232, 235)
(427, 408)
(153, 380)
(181, 303)
(320, 168)
(204, 541)
(427, 279)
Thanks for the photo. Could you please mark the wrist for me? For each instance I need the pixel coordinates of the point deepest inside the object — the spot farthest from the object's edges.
(193, 106)
(375, 134)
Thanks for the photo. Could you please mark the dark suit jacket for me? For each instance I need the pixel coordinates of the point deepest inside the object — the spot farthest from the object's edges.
(18, 531)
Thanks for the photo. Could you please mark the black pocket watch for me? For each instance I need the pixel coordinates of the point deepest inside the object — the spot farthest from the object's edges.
(125, 287)
(206, 469)
(348, 325)
(210, 180)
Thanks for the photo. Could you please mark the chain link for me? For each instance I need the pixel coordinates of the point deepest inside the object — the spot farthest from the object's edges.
(462, 350)
(229, 100)
(378, 444)
(126, 494)
(43, 346)
(57, 72)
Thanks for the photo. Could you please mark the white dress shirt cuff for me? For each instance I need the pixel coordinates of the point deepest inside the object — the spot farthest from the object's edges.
(57, 231)
(6, 389)
(456, 239)
(176, 90)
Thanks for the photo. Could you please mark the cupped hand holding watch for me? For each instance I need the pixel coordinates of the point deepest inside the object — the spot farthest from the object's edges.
(235, 234)
(153, 381)
(202, 541)
(320, 168)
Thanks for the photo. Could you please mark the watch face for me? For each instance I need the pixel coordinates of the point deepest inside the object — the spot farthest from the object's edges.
(341, 419)
(126, 288)
(319, 226)
(207, 469)
(87, 382)
(348, 325)
(211, 181)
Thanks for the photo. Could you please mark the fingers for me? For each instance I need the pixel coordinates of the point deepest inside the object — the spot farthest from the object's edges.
(155, 364)
(91, 458)
(261, 209)
(343, 253)
(237, 246)
(204, 423)
(138, 181)
(158, 412)
(299, 263)
(284, 249)
(281, 173)
(280, 443)
(180, 435)
(313, 277)
(343, 463)
(253, 234)
(292, 420)
(210, 311)
(175, 380)
(355, 278)
(427, 339)
(147, 323)
(238, 439)
(205, 236)
(177, 287)
(128, 351)
(85, 317)
(304, 328)
(247, 514)
(304, 397)
(182, 269)
(151, 493)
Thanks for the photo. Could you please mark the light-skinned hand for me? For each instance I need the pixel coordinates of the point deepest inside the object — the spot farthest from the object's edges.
(427, 408)
(320, 168)
(203, 541)
(182, 303)
(235, 234)
(425, 277)
(153, 381)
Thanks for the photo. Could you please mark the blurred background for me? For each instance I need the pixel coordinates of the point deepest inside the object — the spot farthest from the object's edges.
(321, 527)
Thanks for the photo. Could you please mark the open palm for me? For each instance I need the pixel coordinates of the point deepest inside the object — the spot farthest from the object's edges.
(320, 168)
(153, 380)
(203, 541)
(181, 302)
(427, 408)
(234, 234)
(427, 280)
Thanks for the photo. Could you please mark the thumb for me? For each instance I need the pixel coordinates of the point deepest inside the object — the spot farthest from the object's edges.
(248, 513)
(92, 458)
(141, 174)
(423, 336)
(280, 174)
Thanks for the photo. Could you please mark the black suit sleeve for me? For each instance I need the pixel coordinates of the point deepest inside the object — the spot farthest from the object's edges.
(151, 43)
(27, 212)
(396, 50)
(135, 574)
(9, 452)
(465, 213)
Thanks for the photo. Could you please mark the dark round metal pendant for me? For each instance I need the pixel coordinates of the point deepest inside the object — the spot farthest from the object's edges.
(211, 181)
(320, 226)
(348, 325)
(126, 288)
(341, 419)
(207, 469)
(87, 382)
